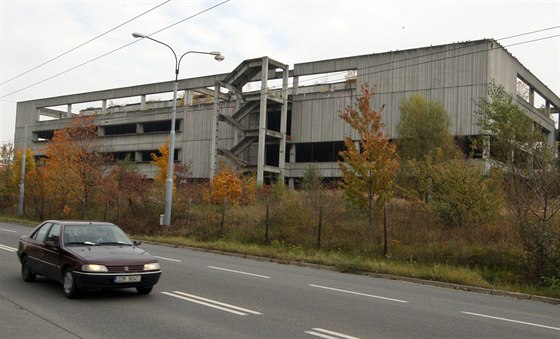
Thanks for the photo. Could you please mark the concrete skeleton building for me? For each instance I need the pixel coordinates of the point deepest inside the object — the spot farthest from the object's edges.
(272, 120)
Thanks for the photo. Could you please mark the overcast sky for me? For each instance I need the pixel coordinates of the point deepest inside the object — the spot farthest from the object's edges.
(34, 32)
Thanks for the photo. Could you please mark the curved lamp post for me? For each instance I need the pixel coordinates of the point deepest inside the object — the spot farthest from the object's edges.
(169, 182)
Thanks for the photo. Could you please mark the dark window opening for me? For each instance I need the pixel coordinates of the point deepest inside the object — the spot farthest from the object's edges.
(272, 153)
(44, 135)
(120, 156)
(160, 126)
(120, 129)
(146, 156)
(319, 151)
(273, 120)
(470, 145)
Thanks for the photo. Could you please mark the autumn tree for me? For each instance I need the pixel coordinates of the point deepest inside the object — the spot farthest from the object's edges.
(531, 178)
(161, 162)
(6, 170)
(74, 164)
(368, 170)
(129, 196)
(225, 187)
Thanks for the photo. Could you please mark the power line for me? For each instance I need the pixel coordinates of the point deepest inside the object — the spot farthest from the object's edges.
(532, 32)
(373, 66)
(112, 51)
(85, 43)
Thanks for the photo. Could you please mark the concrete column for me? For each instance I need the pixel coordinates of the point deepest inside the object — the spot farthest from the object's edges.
(532, 96)
(295, 85)
(104, 106)
(283, 121)
(291, 181)
(486, 153)
(188, 98)
(262, 122)
(143, 102)
(215, 127)
(69, 110)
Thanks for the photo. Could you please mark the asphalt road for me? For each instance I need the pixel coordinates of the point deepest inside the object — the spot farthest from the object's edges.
(205, 295)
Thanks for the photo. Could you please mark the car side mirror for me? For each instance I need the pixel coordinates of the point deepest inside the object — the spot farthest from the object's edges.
(136, 243)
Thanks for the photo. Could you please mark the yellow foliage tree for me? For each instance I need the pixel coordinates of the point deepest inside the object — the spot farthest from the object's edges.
(160, 161)
(226, 186)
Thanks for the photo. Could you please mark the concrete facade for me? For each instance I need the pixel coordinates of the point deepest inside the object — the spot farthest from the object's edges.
(267, 118)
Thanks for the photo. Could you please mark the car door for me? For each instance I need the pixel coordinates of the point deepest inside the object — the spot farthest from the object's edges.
(51, 254)
(36, 248)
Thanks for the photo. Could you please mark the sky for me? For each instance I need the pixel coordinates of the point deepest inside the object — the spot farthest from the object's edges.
(55, 48)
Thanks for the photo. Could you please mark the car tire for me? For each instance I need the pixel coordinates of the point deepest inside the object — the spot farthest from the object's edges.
(26, 272)
(69, 284)
(144, 290)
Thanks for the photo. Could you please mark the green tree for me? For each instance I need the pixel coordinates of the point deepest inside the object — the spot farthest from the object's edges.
(531, 179)
(368, 171)
(456, 190)
(312, 184)
(512, 133)
(423, 128)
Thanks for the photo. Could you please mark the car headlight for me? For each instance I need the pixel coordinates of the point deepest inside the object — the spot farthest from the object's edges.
(94, 268)
(151, 267)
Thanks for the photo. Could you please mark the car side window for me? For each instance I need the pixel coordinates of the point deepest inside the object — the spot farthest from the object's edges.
(54, 234)
(41, 232)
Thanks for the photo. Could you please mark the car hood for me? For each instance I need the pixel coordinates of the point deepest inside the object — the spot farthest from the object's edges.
(112, 255)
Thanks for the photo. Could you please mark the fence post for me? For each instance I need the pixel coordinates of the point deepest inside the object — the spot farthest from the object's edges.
(319, 229)
(385, 250)
(266, 223)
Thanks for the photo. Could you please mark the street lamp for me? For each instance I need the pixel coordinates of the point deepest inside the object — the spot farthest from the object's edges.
(169, 182)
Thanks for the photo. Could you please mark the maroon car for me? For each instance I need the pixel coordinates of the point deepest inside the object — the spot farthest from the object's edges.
(86, 255)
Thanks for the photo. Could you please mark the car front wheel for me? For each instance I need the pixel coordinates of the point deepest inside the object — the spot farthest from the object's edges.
(144, 290)
(26, 272)
(69, 284)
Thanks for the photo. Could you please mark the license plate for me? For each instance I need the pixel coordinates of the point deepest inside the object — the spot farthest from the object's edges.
(127, 279)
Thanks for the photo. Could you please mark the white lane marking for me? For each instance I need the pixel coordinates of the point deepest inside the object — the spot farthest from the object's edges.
(511, 320)
(211, 303)
(328, 334)
(320, 335)
(7, 248)
(164, 258)
(357, 293)
(240, 272)
(7, 230)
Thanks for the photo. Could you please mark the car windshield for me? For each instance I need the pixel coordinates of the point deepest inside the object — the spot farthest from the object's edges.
(95, 234)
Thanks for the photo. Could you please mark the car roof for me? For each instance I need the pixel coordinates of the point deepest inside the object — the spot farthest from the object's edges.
(80, 222)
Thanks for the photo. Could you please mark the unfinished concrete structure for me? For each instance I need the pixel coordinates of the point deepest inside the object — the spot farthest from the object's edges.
(292, 119)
